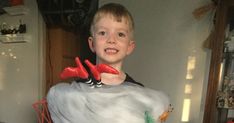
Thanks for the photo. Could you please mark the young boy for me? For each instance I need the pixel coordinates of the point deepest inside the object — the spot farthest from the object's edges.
(120, 99)
(112, 40)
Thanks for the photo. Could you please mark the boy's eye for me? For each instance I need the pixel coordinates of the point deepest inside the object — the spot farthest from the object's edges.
(120, 34)
(101, 33)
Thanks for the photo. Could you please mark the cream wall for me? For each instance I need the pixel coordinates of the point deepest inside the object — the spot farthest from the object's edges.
(167, 38)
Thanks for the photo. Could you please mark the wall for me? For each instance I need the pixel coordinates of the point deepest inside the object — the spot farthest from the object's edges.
(169, 55)
(21, 69)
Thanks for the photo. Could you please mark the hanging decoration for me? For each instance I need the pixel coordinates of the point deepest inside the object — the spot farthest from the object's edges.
(199, 13)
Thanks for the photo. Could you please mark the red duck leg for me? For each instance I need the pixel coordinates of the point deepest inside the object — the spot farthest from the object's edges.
(98, 69)
(78, 71)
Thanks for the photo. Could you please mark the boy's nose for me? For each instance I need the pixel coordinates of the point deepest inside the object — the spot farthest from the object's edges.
(111, 39)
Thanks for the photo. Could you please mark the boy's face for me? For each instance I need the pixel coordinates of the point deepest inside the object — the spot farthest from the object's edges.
(111, 40)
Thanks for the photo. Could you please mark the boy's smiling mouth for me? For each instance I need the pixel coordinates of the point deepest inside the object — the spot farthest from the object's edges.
(111, 50)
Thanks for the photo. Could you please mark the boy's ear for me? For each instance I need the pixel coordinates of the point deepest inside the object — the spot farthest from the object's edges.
(131, 47)
(91, 44)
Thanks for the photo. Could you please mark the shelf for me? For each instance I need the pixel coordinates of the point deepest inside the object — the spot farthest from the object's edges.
(14, 38)
(16, 10)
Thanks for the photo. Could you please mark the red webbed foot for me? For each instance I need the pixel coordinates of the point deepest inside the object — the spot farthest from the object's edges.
(78, 71)
(96, 70)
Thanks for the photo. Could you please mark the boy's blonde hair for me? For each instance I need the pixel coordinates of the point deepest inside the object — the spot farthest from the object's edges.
(117, 11)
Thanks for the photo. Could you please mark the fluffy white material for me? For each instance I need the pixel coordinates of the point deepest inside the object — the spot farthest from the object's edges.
(125, 103)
